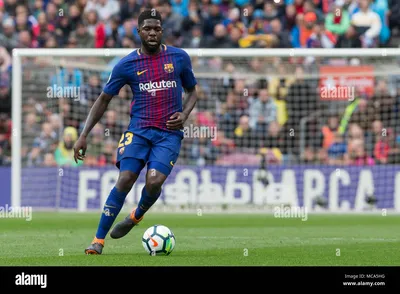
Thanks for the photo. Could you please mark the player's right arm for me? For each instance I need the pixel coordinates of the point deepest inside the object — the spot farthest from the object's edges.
(95, 114)
(114, 84)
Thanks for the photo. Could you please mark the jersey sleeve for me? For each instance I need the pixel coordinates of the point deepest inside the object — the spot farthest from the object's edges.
(116, 80)
(187, 75)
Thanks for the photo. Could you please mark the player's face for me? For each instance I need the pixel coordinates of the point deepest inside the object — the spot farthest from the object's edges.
(151, 34)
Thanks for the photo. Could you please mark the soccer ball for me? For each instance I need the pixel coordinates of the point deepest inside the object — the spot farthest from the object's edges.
(158, 240)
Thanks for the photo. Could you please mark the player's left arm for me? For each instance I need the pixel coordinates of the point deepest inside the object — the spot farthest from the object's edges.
(189, 82)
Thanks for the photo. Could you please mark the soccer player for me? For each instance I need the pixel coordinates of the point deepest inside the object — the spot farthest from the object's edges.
(157, 75)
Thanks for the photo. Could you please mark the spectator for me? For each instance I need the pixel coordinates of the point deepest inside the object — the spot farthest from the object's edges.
(49, 160)
(282, 36)
(301, 101)
(108, 156)
(358, 156)
(230, 114)
(105, 9)
(193, 19)
(113, 127)
(25, 40)
(303, 29)
(67, 76)
(244, 135)
(338, 20)
(180, 7)
(310, 6)
(128, 30)
(42, 30)
(381, 8)
(258, 25)
(350, 6)
(45, 142)
(214, 17)
(394, 16)
(52, 14)
(359, 111)
(329, 131)
(233, 21)
(223, 144)
(278, 88)
(172, 21)
(96, 142)
(321, 38)
(275, 138)
(337, 150)
(83, 37)
(129, 9)
(220, 39)
(8, 36)
(5, 64)
(64, 154)
(38, 8)
(5, 132)
(350, 39)
(203, 151)
(10, 7)
(308, 156)
(368, 24)
(23, 20)
(96, 29)
(5, 96)
(364, 114)
(262, 111)
(31, 129)
(289, 21)
(91, 90)
(384, 104)
(382, 149)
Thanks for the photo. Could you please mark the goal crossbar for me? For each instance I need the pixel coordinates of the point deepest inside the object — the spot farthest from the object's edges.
(208, 52)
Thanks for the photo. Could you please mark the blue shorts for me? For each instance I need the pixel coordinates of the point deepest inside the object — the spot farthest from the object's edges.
(156, 147)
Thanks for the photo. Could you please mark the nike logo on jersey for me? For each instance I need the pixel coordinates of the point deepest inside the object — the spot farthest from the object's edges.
(141, 72)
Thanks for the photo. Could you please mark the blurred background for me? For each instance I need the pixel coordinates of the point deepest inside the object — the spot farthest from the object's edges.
(269, 112)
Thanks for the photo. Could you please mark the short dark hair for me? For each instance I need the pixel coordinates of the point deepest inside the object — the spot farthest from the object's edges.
(147, 14)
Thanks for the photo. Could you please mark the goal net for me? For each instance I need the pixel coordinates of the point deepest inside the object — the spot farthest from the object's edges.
(304, 128)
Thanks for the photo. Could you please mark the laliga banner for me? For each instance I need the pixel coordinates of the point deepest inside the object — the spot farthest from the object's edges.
(344, 188)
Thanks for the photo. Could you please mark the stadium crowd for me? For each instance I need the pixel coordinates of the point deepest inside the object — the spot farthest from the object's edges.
(264, 121)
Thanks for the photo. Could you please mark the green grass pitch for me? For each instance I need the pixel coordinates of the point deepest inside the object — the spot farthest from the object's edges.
(59, 239)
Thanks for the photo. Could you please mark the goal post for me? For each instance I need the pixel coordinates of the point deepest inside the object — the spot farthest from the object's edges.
(252, 169)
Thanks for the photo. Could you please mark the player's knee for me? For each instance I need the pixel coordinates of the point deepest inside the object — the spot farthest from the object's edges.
(126, 181)
(153, 185)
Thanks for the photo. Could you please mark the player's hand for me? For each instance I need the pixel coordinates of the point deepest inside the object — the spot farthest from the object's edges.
(80, 145)
(176, 121)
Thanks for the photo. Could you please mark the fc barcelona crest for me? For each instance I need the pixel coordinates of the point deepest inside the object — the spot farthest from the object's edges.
(168, 67)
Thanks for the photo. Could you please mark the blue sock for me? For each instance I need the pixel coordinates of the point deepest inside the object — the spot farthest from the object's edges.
(145, 202)
(111, 209)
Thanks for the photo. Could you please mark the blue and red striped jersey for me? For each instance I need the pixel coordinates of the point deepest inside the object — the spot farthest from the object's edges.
(157, 83)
